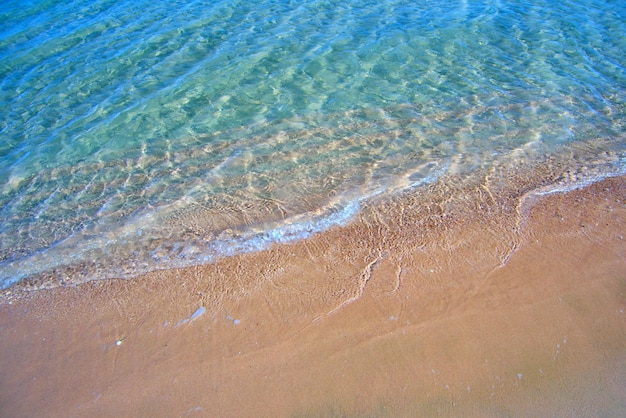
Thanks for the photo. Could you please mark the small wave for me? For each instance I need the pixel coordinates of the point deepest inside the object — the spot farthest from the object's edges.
(140, 141)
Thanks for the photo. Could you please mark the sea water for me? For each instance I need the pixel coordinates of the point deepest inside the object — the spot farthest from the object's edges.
(141, 135)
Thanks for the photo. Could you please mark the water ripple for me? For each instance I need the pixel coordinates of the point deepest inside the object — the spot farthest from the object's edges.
(238, 118)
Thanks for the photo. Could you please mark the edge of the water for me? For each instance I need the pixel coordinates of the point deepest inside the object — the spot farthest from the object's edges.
(520, 173)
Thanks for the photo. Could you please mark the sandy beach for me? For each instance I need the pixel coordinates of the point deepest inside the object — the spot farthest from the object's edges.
(479, 298)
(313, 209)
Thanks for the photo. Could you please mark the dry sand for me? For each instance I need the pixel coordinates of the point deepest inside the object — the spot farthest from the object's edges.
(458, 299)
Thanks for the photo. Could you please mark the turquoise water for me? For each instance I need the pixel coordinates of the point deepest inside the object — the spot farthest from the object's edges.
(139, 135)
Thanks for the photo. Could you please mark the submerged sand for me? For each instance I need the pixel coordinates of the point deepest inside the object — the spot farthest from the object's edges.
(463, 298)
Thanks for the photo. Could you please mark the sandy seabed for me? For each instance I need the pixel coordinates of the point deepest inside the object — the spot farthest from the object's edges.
(463, 298)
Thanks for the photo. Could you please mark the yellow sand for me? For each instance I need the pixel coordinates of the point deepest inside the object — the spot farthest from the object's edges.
(453, 300)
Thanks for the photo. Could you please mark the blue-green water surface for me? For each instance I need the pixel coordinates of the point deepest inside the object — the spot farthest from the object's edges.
(138, 135)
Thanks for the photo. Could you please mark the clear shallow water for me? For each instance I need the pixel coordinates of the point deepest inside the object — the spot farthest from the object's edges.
(144, 135)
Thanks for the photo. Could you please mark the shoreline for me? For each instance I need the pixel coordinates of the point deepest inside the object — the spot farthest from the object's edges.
(188, 234)
(470, 298)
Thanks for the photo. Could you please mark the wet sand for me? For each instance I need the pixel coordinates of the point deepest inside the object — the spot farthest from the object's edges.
(475, 298)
